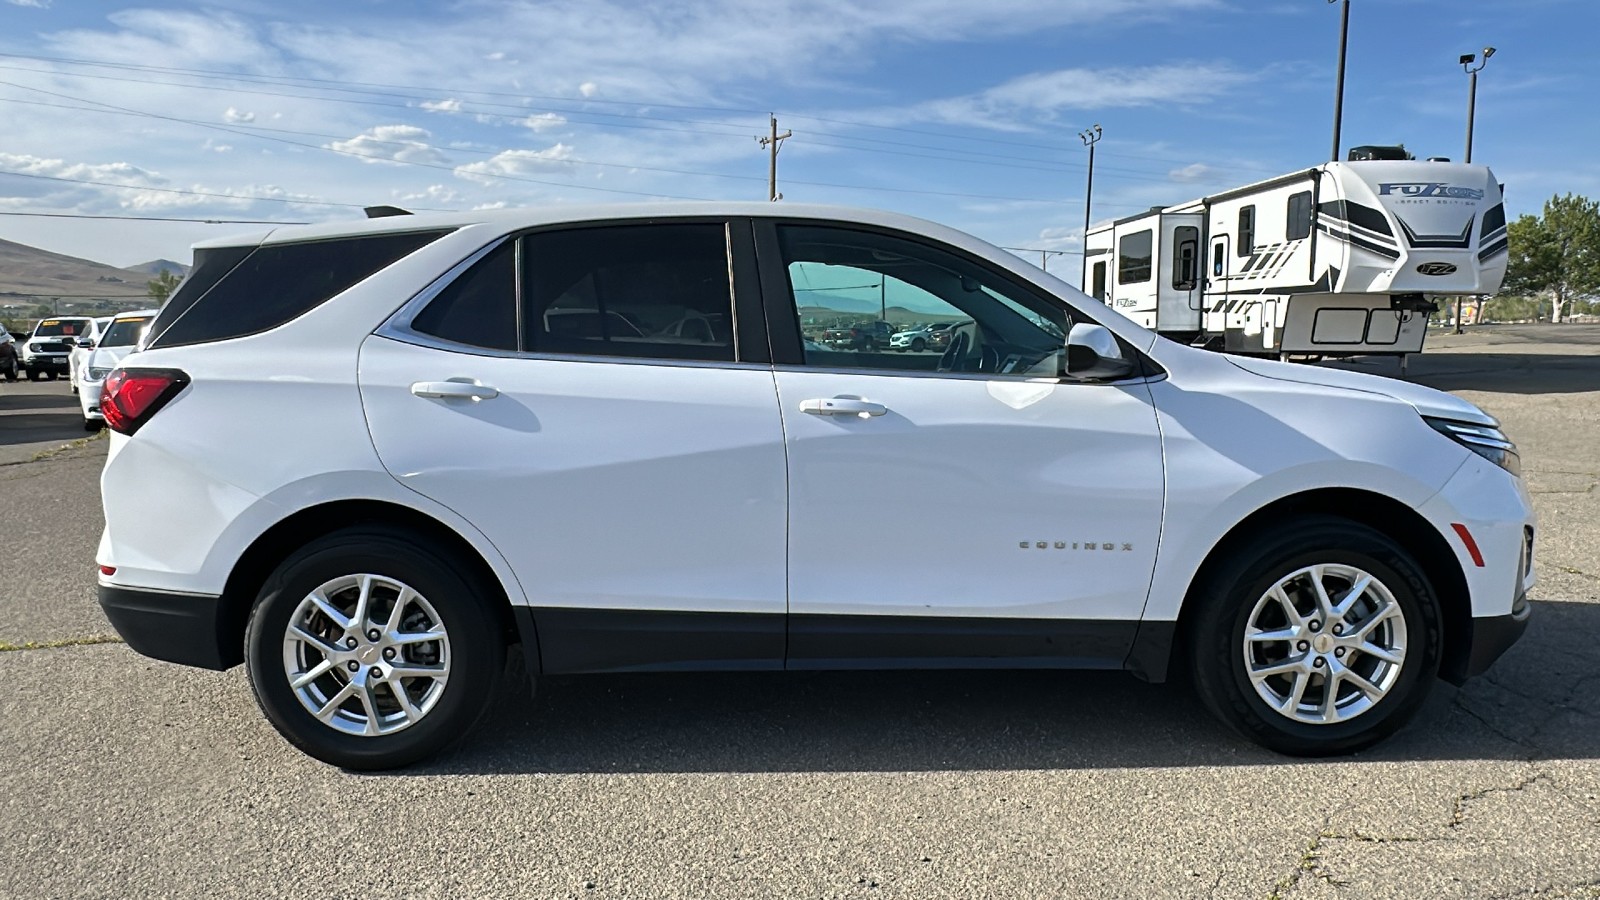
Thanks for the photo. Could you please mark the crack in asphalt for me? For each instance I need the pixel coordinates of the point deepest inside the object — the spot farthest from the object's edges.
(1458, 814)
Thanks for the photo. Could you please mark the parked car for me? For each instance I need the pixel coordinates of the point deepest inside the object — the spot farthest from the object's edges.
(939, 334)
(913, 339)
(367, 462)
(10, 359)
(82, 348)
(121, 336)
(45, 353)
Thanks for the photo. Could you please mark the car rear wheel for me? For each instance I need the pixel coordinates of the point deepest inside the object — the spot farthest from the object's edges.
(1316, 639)
(11, 370)
(369, 650)
(918, 345)
(33, 375)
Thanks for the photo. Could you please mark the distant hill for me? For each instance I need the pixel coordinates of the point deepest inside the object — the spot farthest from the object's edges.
(30, 276)
(157, 266)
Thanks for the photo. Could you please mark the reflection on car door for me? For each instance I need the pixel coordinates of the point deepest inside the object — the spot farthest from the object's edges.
(1038, 543)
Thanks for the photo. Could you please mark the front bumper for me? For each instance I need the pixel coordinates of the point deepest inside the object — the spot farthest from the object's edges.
(56, 364)
(1492, 636)
(190, 629)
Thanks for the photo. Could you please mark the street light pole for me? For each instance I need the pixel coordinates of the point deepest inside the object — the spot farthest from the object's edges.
(1338, 91)
(1089, 137)
(1467, 60)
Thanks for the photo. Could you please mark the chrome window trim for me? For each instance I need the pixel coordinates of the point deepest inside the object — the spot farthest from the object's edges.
(963, 376)
(417, 339)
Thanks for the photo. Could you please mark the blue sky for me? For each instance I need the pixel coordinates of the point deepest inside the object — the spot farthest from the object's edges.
(959, 111)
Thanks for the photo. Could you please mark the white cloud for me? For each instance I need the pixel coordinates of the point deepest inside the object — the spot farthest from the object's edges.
(215, 146)
(449, 106)
(1197, 172)
(392, 143)
(238, 116)
(433, 193)
(517, 162)
(588, 89)
(544, 121)
(36, 4)
(1026, 101)
(495, 56)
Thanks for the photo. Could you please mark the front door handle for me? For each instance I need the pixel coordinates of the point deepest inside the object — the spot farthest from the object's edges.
(454, 390)
(842, 406)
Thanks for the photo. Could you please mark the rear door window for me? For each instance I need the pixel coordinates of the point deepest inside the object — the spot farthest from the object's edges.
(657, 290)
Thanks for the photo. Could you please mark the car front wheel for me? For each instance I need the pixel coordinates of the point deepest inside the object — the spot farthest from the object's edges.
(1316, 639)
(369, 650)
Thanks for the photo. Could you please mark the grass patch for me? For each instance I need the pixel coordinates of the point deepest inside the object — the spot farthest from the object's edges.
(78, 444)
(6, 646)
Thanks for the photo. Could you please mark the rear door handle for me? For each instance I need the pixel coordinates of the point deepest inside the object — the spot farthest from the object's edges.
(842, 406)
(454, 389)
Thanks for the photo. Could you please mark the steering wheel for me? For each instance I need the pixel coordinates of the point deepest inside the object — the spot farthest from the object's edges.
(955, 354)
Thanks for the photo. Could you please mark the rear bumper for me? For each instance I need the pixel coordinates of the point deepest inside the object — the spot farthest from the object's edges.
(189, 629)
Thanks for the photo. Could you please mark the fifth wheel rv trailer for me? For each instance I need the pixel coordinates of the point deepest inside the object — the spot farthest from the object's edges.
(1344, 258)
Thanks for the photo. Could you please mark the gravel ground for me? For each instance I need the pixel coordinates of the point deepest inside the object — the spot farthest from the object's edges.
(123, 776)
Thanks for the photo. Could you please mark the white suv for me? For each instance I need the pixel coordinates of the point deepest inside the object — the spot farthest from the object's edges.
(368, 458)
(121, 335)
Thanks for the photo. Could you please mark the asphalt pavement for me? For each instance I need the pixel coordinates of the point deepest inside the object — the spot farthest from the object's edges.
(123, 776)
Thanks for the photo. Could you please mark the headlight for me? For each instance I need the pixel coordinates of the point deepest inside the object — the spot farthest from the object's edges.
(98, 374)
(1485, 440)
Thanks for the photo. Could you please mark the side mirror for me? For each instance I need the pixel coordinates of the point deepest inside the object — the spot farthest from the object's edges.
(1093, 354)
(86, 343)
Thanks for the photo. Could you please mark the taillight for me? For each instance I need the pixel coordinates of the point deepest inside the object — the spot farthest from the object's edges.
(131, 396)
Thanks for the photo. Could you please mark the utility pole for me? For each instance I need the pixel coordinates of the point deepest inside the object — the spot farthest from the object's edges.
(771, 142)
(1089, 137)
(1338, 91)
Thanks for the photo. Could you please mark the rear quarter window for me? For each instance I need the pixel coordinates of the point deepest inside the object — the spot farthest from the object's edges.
(238, 291)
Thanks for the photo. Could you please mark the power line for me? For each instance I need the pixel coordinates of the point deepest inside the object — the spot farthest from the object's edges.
(522, 110)
(188, 193)
(150, 218)
(407, 162)
(235, 129)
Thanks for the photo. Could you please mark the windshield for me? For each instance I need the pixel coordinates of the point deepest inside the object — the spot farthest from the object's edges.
(125, 332)
(61, 328)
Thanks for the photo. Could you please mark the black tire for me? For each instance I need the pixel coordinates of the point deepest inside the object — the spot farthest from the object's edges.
(1229, 595)
(50, 375)
(467, 610)
(93, 424)
(918, 345)
(33, 375)
(11, 371)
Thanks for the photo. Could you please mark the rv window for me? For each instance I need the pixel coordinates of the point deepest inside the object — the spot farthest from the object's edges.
(1216, 259)
(1100, 281)
(1133, 257)
(1185, 257)
(1247, 230)
(1299, 216)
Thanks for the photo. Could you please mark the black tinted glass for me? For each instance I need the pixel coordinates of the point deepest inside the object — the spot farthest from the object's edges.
(480, 307)
(276, 283)
(629, 290)
(1247, 231)
(124, 332)
(209, 267)
(1134, 255)
(1299, 212)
